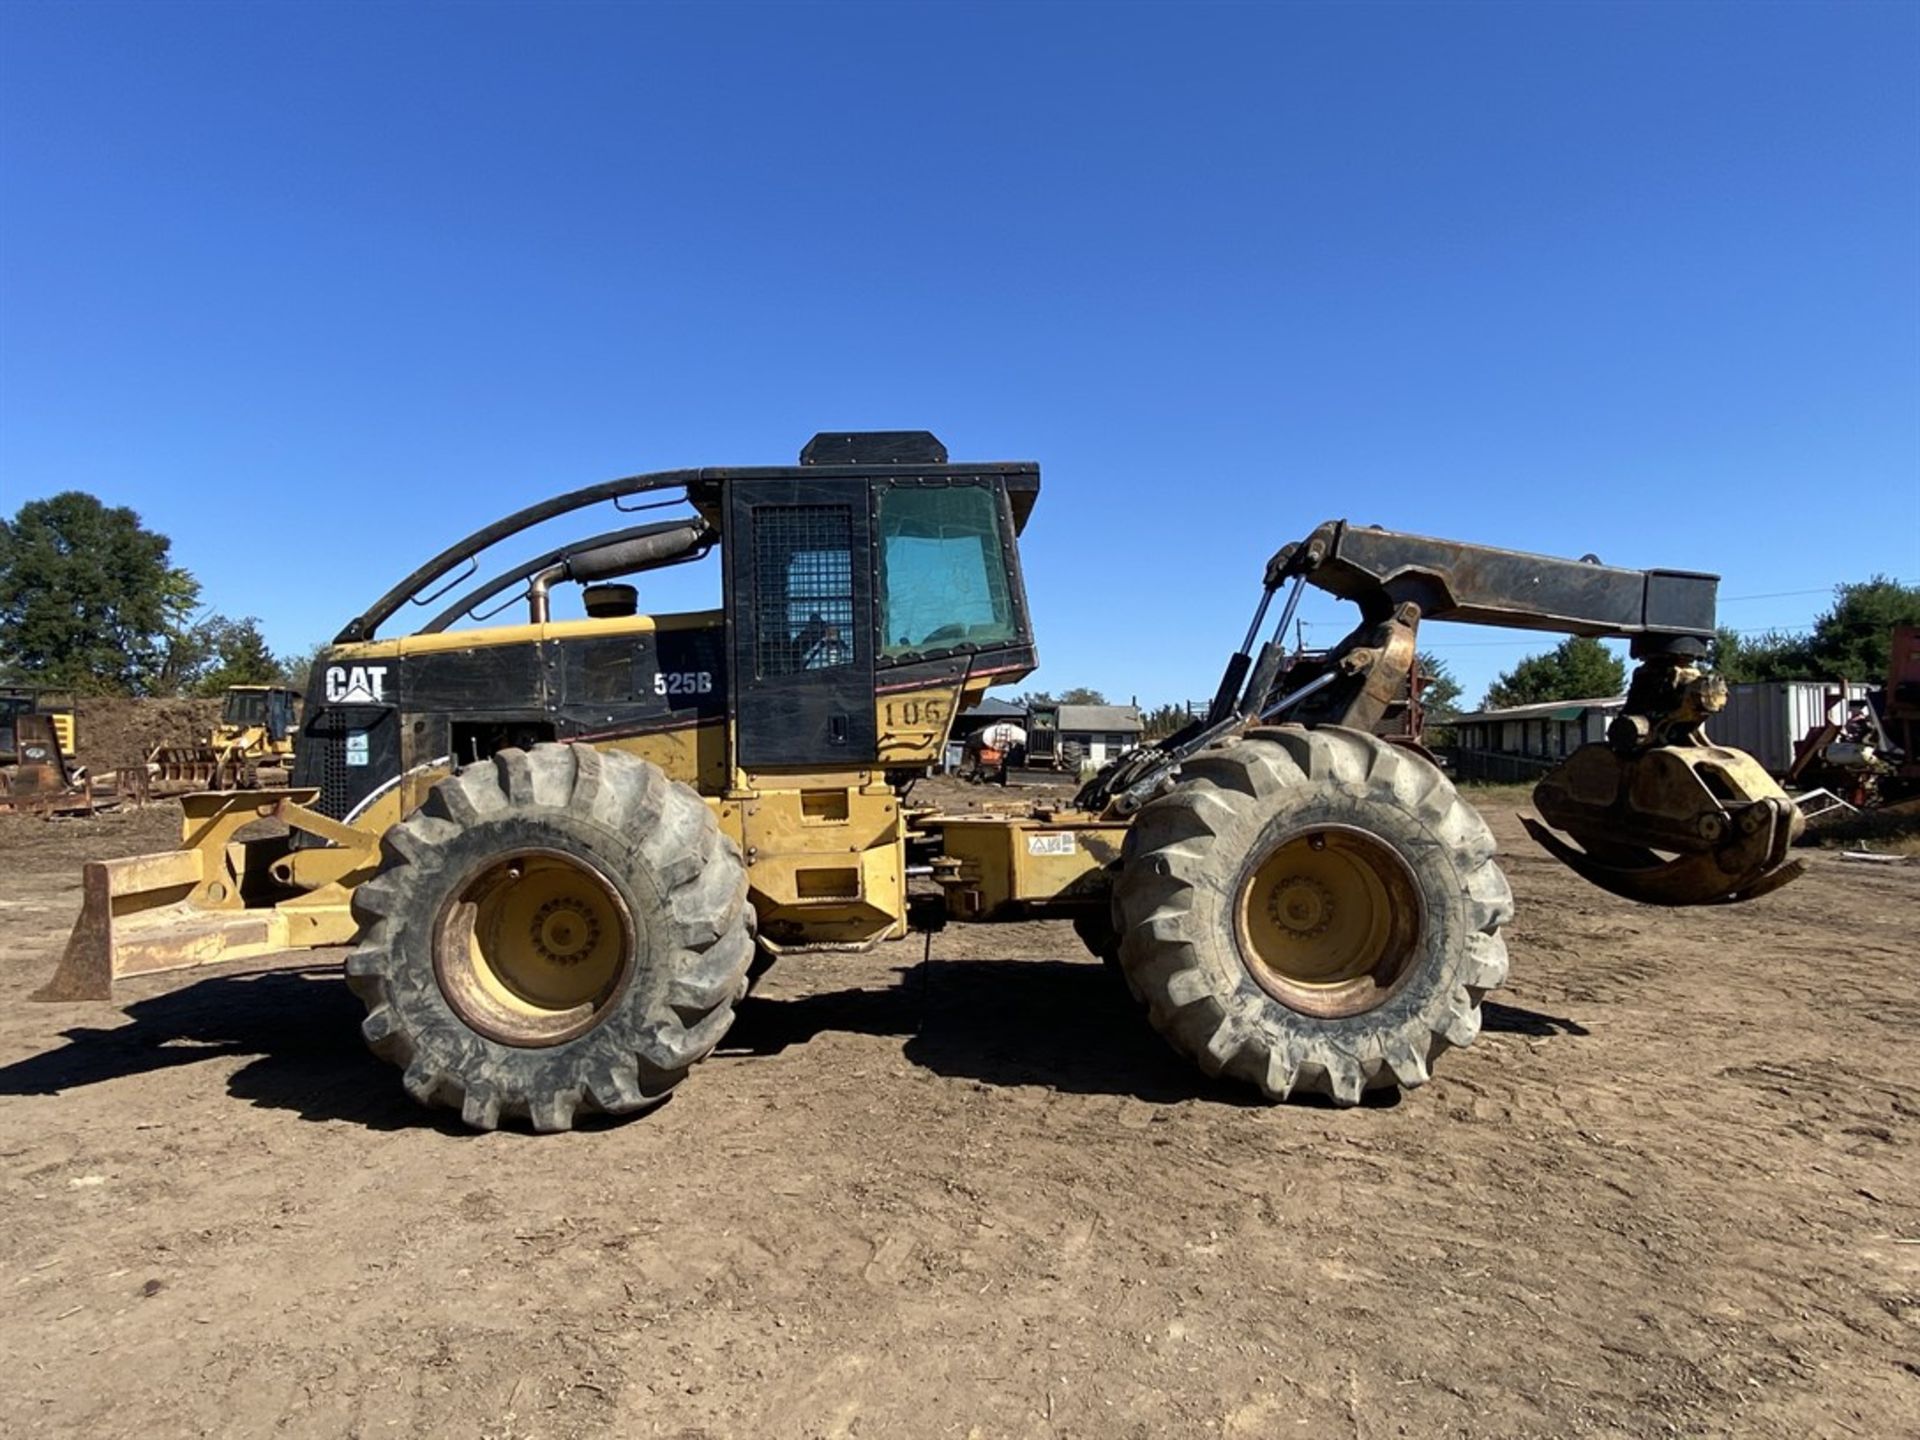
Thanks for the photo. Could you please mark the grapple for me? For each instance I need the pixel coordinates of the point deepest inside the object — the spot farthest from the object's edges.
(1660, 814)
(1676, 825)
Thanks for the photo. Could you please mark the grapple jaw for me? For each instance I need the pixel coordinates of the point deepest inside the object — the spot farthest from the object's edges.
(1673, 825)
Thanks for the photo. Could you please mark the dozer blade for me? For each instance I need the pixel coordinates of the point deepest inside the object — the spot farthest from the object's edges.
(178, 768)
(213, 900)
(1672, 825)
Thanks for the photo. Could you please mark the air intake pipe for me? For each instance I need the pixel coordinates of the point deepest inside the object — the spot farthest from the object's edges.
(622, 557)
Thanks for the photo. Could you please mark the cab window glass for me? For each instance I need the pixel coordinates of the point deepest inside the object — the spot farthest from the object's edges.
(943, 573)
(246, 707)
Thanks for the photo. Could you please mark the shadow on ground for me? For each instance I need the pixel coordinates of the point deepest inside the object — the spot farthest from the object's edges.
(303, 1026)
(1064, 1025)
(1498, 1019)
(1061, 1025)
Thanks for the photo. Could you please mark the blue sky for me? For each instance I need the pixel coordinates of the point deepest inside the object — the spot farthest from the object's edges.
(318, 288)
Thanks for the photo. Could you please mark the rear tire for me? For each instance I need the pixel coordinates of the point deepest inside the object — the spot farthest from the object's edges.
(1312, 911)
(559, 931)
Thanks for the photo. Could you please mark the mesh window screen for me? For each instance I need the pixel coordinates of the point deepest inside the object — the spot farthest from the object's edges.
(803, 587)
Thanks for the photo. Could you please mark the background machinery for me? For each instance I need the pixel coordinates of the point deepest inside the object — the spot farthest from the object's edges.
(254, 734)
(40, 777)
(1046, 748)
(556, 845)
(989, 752)
(1867, 749)
(1900, 717)
(37, 770)
(16, 701)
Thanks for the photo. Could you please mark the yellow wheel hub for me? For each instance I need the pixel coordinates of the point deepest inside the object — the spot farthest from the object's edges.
(565, 931)
(534, 947)
(1329, 921)
(1301, 906)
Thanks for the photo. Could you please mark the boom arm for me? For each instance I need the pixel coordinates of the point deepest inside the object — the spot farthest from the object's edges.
(1480, 585)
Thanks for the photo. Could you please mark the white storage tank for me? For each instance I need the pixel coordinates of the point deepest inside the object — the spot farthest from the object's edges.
(1768, 718)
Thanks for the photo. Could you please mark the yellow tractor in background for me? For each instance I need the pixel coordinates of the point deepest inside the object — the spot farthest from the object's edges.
(556, 846)
(16, 701)
(251, 742)
(37, 773)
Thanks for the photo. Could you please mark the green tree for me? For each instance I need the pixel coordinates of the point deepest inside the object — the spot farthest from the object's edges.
(1579, 668)
(88, 596)
(1725, 654)
(188, 653)
(1852, 640)
(1162, 720)
(1775, 655)
(1439, 698)
(237, 654)
(299, 668)
(1078, 695)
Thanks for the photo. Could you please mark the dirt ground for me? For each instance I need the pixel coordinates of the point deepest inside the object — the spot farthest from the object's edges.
(1671, 1190)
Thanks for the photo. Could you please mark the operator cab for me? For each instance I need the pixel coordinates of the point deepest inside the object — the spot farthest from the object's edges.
(877, 565)
(266, 707)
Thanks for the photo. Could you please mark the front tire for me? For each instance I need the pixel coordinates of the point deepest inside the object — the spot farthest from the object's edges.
(1312, 911)
(560, 931)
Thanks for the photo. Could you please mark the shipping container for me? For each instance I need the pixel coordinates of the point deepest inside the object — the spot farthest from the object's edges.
(1769, 718)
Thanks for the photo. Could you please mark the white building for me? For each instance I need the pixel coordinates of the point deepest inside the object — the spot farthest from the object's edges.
(1523, 741)
(1101, 731)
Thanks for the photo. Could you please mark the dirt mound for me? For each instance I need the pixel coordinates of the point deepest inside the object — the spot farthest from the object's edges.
(112, 732)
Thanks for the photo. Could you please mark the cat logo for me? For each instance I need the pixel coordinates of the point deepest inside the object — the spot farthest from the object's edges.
(356, 685)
